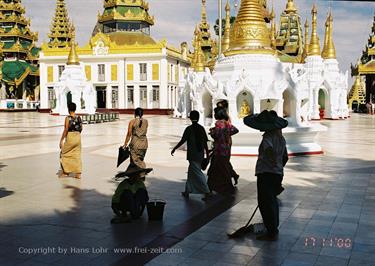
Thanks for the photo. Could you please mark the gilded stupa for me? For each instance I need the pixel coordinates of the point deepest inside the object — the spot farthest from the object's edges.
(249, 33)
(60, 30)
(20, 70)
(205, 35)
(366, 66)
(329, 51)
(289, 40)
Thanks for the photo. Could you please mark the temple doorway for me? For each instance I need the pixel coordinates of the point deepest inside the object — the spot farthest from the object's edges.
(68, 98)
(101, 96)
(323, 102)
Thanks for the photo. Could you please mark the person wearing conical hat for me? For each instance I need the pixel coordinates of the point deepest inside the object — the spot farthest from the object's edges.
(272, 157)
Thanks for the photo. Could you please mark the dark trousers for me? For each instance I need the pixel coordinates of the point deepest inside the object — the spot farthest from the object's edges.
(133, 203)
(268, 185)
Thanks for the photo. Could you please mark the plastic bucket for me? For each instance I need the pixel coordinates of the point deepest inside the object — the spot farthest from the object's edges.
(155, 210)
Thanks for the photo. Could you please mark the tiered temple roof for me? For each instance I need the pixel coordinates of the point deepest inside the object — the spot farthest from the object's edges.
(17, 41)
(60, 34)
(366, 65)
(289, 40)
(357, 92)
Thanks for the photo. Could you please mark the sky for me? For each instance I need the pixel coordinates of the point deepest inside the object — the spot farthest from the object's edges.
(175, 20)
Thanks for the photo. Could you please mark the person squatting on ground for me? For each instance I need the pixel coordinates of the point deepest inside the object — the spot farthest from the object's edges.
(137, 131)
(196, 139)
(219, 172)
(224, 104)
(129, 200)
(272, 157)
(70, 144)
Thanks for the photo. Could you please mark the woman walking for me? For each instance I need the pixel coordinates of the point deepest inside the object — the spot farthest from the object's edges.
(196, 139)
(137, 131)
(220, 171)
(70, 144)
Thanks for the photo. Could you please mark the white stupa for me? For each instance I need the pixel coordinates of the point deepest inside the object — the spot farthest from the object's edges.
(73, 85)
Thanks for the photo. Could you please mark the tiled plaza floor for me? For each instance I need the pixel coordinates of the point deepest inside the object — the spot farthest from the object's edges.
(327, 210)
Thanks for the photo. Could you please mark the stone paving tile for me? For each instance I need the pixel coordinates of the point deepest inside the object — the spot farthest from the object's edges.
(328, 260)
(295, 258)
(360, 258)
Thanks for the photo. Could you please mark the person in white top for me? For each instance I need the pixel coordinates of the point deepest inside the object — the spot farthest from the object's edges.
(272, 157)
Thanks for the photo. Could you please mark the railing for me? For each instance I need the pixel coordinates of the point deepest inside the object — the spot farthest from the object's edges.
(100, 118)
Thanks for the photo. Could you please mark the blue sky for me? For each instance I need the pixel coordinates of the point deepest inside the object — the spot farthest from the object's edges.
(175, 20)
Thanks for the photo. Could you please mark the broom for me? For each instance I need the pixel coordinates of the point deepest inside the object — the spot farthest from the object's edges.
(244, 229)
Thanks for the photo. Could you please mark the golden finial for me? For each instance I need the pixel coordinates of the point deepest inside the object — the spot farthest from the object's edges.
(204, 12)
(73, 56)
(290, 7)
(249, 33)
(199, 58)
(306, 41)
(273, 29)
(314, 48)
(329, 51)
(226, 38)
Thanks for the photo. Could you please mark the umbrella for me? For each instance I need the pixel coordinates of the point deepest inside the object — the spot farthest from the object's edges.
(123, 154)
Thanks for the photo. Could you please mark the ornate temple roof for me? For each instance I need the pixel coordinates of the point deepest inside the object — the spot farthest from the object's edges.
(289, 39)
(17, 43)
(126, 10)
(60, 33)
(366, 64)
(357, 92)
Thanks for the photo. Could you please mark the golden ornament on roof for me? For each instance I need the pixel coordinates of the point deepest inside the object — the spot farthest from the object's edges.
(249, 33)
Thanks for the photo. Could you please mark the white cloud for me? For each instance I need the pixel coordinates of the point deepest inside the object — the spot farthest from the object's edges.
(175, 20)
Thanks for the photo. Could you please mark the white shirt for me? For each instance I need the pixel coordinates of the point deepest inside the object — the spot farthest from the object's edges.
(276, 142)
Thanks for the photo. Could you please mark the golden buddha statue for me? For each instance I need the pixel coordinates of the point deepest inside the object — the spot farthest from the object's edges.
(245, 109)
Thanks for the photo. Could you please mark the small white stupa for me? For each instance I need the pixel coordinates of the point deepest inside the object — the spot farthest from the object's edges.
(73, 86)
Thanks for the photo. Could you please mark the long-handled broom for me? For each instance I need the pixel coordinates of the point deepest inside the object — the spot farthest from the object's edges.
(244, 229)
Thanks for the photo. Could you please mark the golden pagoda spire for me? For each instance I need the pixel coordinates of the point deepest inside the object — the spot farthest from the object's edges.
(226, 38)
(60, 34)
(199, 57)
(290, 7)
(204, 12)
(273, 29)
(324, 52)
(306, 40)
(73, 56)
(314, 48)
(329, 51)
(249, 33)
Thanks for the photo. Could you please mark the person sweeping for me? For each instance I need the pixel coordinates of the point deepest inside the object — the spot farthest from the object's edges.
(272, 157)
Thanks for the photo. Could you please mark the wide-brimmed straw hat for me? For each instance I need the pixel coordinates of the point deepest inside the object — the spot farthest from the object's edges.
(265, 121)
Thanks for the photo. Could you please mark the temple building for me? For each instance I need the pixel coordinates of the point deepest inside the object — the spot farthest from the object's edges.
(262, 67)
(366, 66)
(122, 61)
(19, 58)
